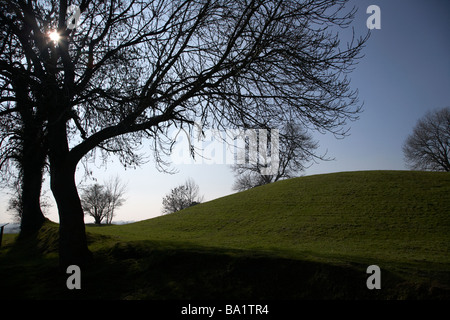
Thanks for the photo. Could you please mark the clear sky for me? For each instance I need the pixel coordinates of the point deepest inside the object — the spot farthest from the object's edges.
(404, 74)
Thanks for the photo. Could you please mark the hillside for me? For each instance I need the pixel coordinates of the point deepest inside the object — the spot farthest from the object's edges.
(377, 215)
(308, 237)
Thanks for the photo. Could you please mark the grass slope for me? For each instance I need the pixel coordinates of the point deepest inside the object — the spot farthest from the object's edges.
(377, 215)
(309, 237)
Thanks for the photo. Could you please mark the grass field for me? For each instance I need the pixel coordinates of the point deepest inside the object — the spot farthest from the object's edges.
(310, 237)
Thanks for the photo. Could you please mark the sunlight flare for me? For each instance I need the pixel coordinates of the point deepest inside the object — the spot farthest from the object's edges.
(54, 36)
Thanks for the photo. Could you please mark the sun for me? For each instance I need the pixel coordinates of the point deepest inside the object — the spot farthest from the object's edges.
(54, 36)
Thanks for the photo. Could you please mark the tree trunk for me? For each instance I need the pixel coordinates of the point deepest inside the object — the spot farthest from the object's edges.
(32, 216)
(73, 247)
(32, 166)
(97, 217)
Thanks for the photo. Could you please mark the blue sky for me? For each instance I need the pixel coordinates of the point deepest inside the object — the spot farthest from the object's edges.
(404, 74)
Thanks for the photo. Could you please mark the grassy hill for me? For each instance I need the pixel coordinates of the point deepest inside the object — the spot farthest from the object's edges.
(308, 237)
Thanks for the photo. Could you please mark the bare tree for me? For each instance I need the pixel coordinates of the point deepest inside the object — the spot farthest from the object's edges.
(100, 201)
(428, 147)
(131, 70)
(181, 197)
(295, 149)
(115, 191)
(247, 180)
(94, 202)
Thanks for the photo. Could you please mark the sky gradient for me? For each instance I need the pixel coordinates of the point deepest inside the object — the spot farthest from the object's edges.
(405, 73)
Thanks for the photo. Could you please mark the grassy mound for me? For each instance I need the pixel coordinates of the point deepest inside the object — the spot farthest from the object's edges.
(309, 237)
(377, 215)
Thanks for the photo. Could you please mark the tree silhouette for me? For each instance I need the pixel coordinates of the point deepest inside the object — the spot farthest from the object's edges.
(132, 70)
(428, 147)
(295, 148)
(182, 197)
(100, 201)
(94, 202)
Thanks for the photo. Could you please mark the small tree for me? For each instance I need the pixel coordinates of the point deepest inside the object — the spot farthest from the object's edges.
(94, 202)
(100, 201)
(114, 193)
(247, 180)
(182, 197)
(428, 147)
(295, 149)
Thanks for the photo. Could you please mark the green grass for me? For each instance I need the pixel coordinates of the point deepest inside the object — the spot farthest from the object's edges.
(309, 237)
(393, 216)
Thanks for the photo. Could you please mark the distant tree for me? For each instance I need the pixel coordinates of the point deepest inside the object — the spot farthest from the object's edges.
(246, 180)
(93, 200)
(295, 149)
(428, 147)
(100, 201)
(115, 190)
(181, 197)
